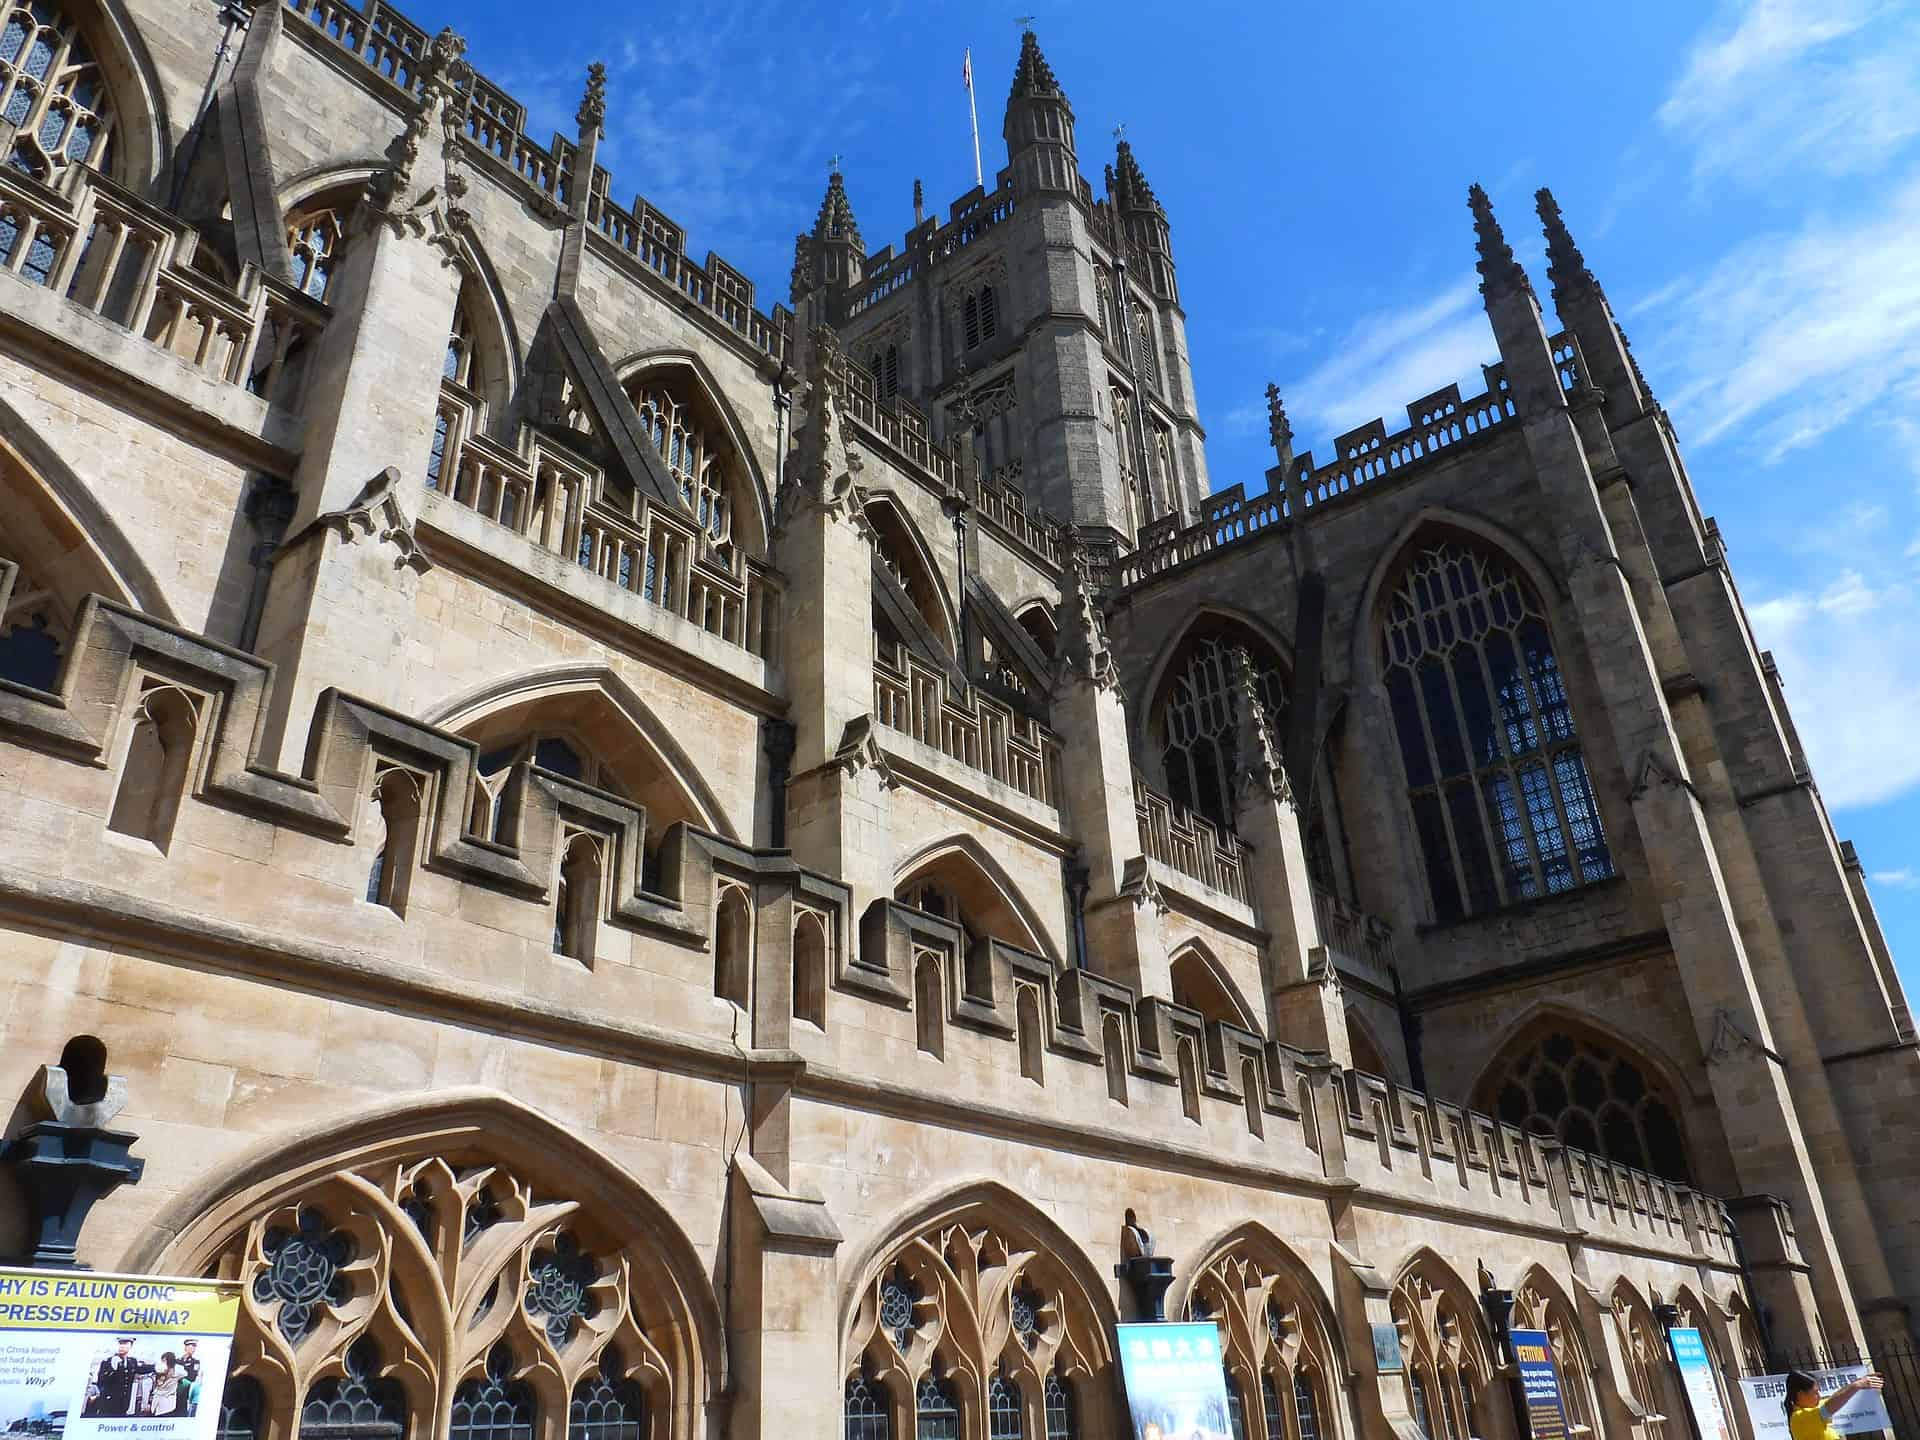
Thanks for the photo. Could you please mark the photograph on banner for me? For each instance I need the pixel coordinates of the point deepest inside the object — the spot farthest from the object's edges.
(1176, 1386)
(1700, 1385)
(97, 1357)
(1765, 1397)
(1539, 1383)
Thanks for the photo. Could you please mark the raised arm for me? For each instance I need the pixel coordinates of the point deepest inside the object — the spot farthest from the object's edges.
(1845, 1393)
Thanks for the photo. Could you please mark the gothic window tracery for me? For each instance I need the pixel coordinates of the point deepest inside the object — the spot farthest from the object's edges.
(549, 1316)
(1447, 1361)
(316, 239)
(53, 93)
(688, 444)
(1148, 357)
(1537, 1308)
(1591, 1094)
(34, 632)
(1643, 1355)
(1132, 484)
(1273, 1344)
(1199, 720)
(971, 1329)
(1502, 803)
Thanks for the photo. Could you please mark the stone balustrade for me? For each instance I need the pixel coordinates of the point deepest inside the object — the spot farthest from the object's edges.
(109, 252)
(559, 503)
(1361, 944)
(1188, 843)
(980, 732)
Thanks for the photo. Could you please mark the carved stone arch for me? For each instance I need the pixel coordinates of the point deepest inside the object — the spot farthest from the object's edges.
(141, 134)
(1596, 1044)
(317, 210)
(642, 363)
(1141, 700)
(1542, 1303)
(1445, 1342)
(423, 1211)
(898, 540)
(1201, 982)
(1038, 615)
(66, 546)
(299, 188)
(1643, 1353)
(1363, 1041)
(1363, 654)
(610, 706)
(1254, 1241)
(989, 897)
(974, 1282)
(485, 299)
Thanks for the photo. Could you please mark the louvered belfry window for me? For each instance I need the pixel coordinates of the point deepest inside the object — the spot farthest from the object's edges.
(1496, 779)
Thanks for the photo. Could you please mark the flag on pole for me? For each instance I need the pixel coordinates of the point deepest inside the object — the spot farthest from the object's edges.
(966, 69)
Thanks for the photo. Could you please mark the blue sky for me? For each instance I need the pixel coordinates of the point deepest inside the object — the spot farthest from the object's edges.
(1743, 177)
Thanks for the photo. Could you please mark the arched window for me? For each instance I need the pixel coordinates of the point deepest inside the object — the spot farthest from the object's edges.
(1059, 1408)
(1501, 799)
(810, 968)
(1643, 1354)
(979, 316)
(1566, 1081)
(909, 563)
(1447, 1358)
(1537, 1307)
(935, 1410)
(493, 1406)
(562, 754)
(1006, 1414)
(606, 1409)
(33, 633)
(689, 444)
(885, 364)
(53, 94)
(358, 1405)
(1199, 719)
(576, 902)
(459, 362)
(241, 1408)
(868, 1416)
(316, 238)
(1422, 1412)
(1132, 484)
(395, 818)
(1272, 1333)
(1236, 1410)
(732, 945)
(154, 772)
(1143, 339)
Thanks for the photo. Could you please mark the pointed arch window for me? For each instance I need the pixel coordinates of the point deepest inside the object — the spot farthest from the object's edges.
(358, 1405)
(868, 1416)
(1059, 1408)
(1502, 803)
(1006, 1412)
(979, 316)
(53, 93)
(936, 1411)
(1306, 1405)
(885, 364)
(689, 443)
(1149, 358)
(316, 238)
(1200, 721)
(1132, 485)
(607, 1409)
(493, 1406)
(1592, 1095)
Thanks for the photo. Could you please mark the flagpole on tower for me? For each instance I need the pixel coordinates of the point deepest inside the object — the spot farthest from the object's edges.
(973, 114)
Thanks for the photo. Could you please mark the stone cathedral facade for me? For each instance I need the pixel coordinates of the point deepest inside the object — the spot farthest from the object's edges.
(653, 865)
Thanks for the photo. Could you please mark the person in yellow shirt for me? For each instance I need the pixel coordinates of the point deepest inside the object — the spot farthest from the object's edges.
(1808, 1418)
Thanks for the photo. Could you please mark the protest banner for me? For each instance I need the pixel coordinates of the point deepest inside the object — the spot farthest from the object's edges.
(1540, 1384)
(1176, 1386)
(1698, 1385)
(1765, 1397)
(105, 1357)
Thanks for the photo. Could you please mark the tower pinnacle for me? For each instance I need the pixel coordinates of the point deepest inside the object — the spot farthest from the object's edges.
(1033, 77)
(1499, 271)
(1130, 187)
(835, 220)
(1566, 266)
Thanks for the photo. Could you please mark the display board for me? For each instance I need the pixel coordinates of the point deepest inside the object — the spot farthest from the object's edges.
(94, 1357)
(1765, 1397)
(1699, 1385)
(1540, 1384)
(1176, 1385)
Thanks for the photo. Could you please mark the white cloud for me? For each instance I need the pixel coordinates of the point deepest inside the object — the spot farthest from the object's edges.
(1831, 85)
(1904, 878)
(1849, 657)
(1390, 358)
(1796, 333)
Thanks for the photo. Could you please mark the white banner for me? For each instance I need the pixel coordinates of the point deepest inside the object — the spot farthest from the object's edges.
(106, 1357)
(1765, 1396)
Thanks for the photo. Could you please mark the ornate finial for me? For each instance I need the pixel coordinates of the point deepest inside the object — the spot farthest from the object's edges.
(1084, 653)
(1032, 76)
(919, 193)
(833, 165)
(1130, 183)
(1279, 431)
(800, 283)
(1259, 758)
(443, 71)
(1566, 266)
(1498, 269)
(1120, 132)
(835, 220)
(592, 115)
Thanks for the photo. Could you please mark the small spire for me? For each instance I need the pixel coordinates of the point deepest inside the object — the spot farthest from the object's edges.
(835, 220)
(1279, 430)
(1033, 78)
(592, 115)
(1566, 266)
(1498, 269)
(1129, 182)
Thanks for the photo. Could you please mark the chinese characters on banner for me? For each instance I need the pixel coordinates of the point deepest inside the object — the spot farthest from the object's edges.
(1697, 1383)
(98, 1357)
(1176, 1388)
(1540, 1383)
(1765, 1397)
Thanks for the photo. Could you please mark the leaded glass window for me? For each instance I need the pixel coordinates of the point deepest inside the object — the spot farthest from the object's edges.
(1006, 1417)
(687, 445)
(936, 1413)
(1466, 1404)
(1305, 1406)
(1593, 1096)
(494, 1406)
(32, 632)
(1270, 1409)
(868, 1416)
(359, 1405)
(1059, 1406)
(1417, 1392)
(1502, 803)
(1200, 719)
(53, 93)
(898, 1297)
(1132, 484)
(302, 1275)
(1236, 1410)
(241, 1406)
(315, 238)
(605, 1409)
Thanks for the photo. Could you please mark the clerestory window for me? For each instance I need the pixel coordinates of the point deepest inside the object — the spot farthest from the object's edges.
(53, 94)
(1496, 779)
(1200, 720)
(688, 446)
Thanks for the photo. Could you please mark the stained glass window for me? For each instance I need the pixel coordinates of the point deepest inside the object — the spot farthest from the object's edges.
(1502, 803)
(867, 1415)
(603, 1409)
(1200, 719)
(1591, 1095)
(936, 1413)
(1006, 1417)
(53, 93)
(1059, 1404)
(359, 1405)
(495, 1406)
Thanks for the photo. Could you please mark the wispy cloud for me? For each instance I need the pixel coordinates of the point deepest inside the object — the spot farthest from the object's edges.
(1858, 637)
(1831, 86)
(1392, 357)
(1796, 333)
(1905, 878)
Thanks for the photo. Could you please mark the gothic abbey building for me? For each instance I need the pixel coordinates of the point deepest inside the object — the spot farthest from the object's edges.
(650, 865)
